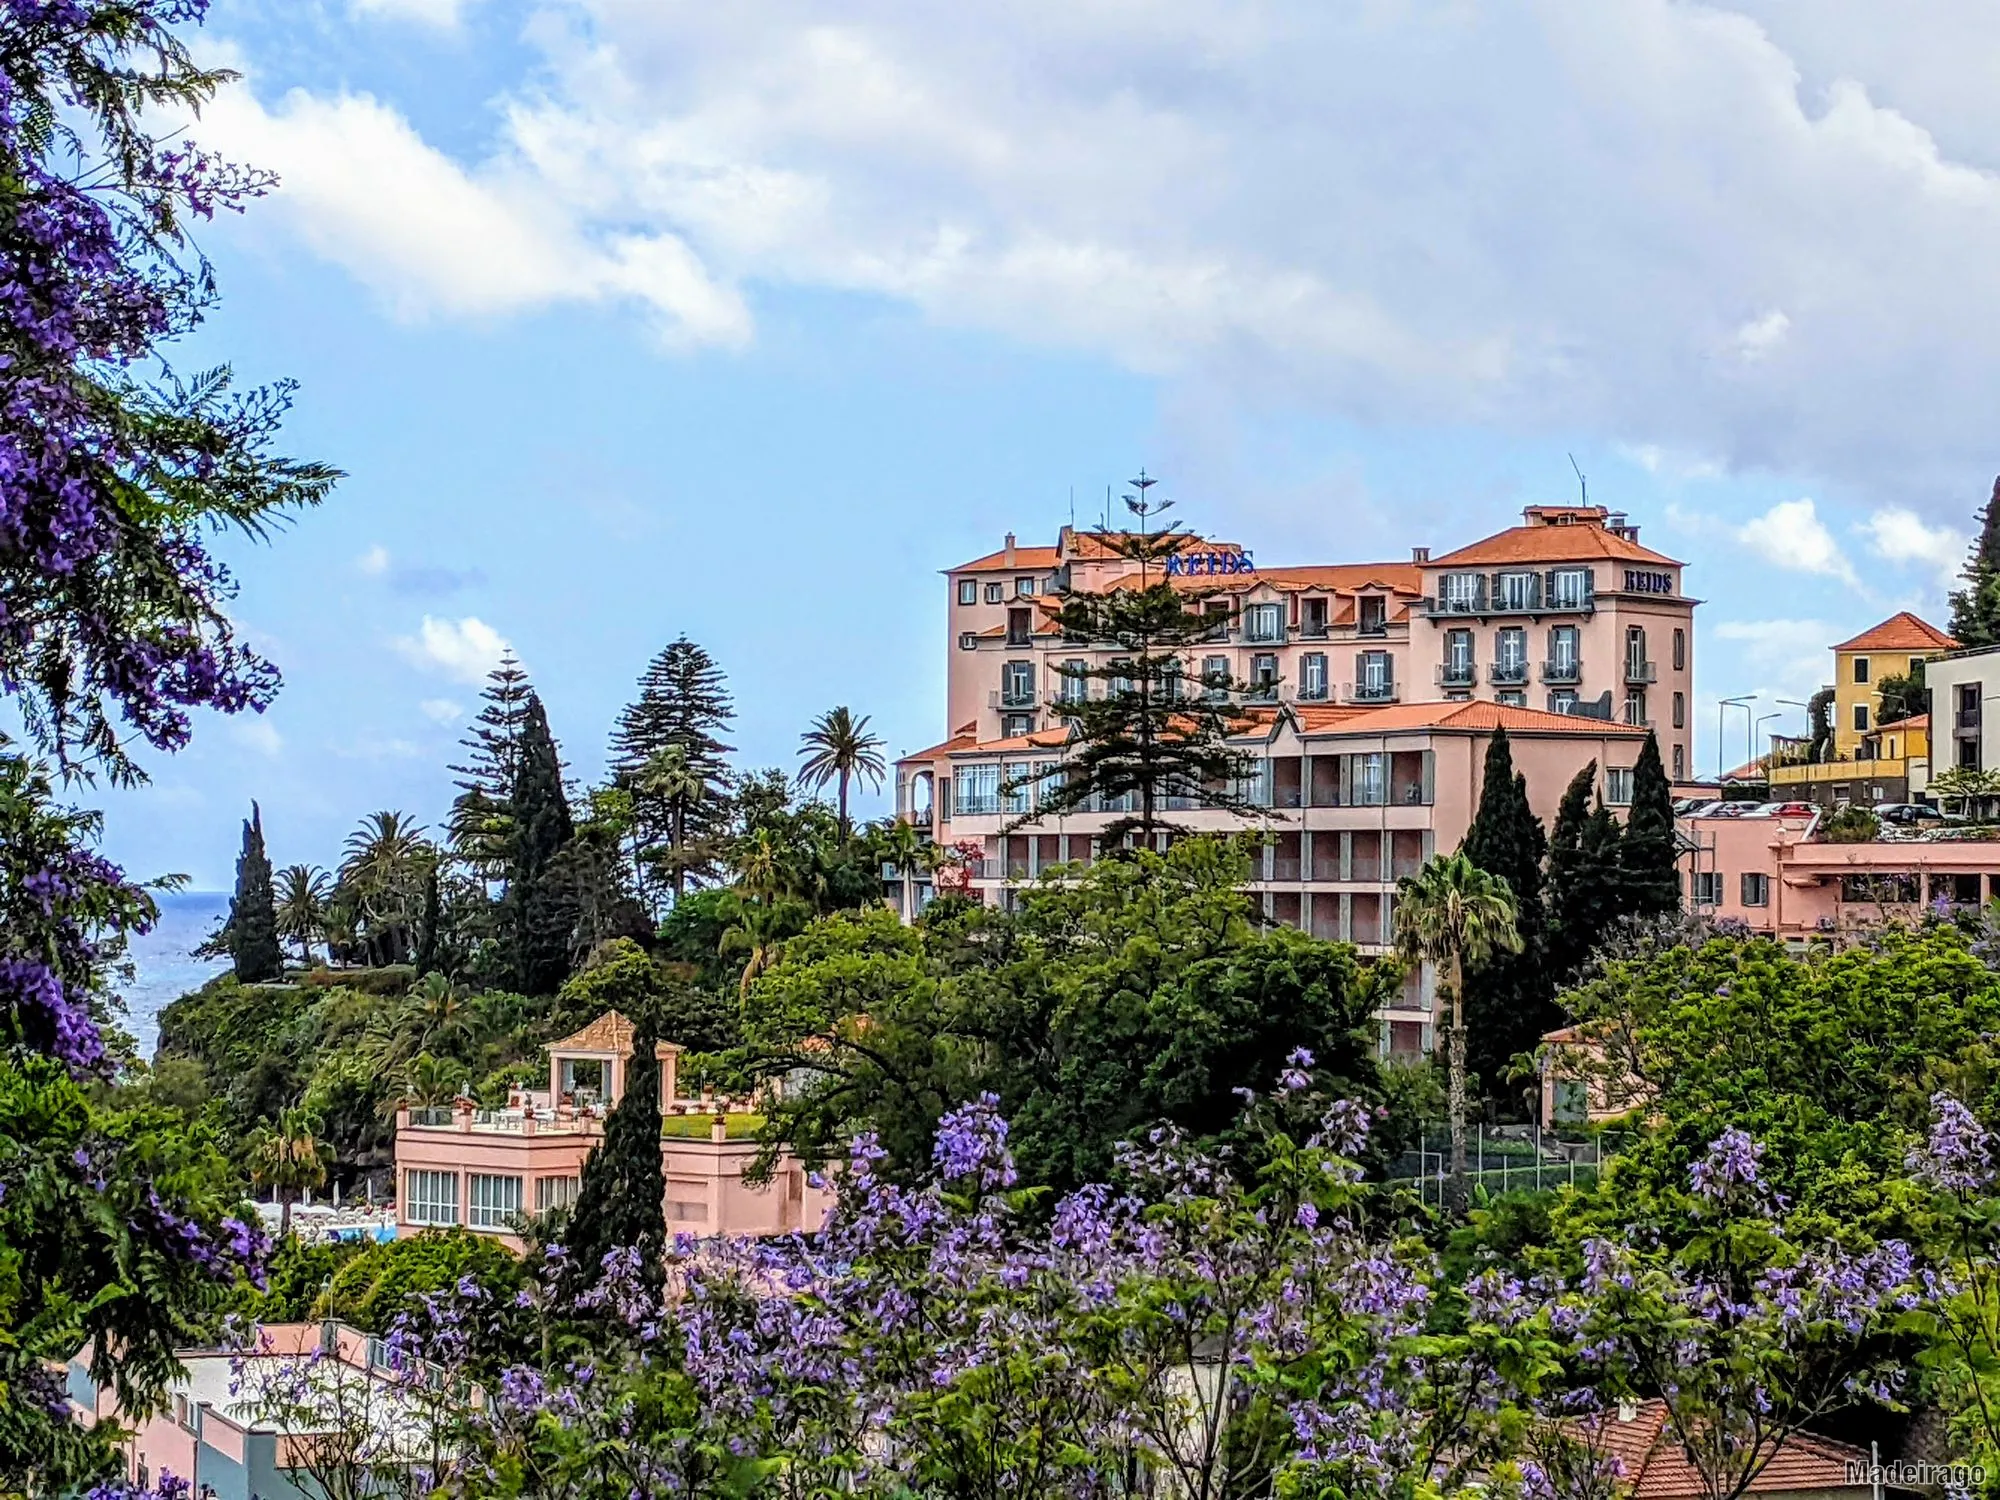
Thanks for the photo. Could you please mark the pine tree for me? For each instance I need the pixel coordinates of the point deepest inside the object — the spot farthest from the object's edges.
(1148, 744)
(1975, 609)
(1649, 880)
(480, 824)
(1508, 1000)
(1581, 891)
(668, 753)
(538, 912)
(621, 1201)
(253, 910)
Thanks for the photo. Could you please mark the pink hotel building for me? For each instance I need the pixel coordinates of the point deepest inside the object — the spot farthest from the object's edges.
(1374, 689)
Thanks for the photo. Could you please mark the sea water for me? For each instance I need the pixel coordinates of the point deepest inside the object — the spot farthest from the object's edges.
(163, 968)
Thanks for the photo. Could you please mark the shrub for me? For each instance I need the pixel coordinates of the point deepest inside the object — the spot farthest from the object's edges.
(1851, 825)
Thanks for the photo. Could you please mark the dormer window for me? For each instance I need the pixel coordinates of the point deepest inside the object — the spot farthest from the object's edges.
(1024, 588)
(1462, 593)
(1518, 590)
(1569, 588)
(1372, 612)
(1312, 618)
(1264, 622)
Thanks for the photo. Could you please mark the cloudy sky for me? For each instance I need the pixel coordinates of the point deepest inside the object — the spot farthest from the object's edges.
(634, 317)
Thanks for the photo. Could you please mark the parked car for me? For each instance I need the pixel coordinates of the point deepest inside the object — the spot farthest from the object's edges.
(1909, 812)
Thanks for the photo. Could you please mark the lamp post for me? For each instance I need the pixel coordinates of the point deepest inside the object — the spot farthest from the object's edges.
(1721, 709)
(1762, 720)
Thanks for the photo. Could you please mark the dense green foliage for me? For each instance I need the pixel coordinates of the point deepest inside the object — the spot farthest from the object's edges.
(253, 910)
(1137, 991)
(1975, 609)
(1649, 883)
(621, 1202)
(539, 913)
(668, 755)
(1509, 1001)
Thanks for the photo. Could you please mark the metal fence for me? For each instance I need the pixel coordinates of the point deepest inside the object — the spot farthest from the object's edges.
(1504, 1159)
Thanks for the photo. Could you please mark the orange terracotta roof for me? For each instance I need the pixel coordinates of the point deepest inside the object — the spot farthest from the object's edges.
(1319, 718)
(1041, 739)
(960, 741)
(1480, 717)
(1026, 560)
(1345, 578)
(610, 1032)
(1096, 546)
(1656, 1468)
(1551, 544)
(1901, 632)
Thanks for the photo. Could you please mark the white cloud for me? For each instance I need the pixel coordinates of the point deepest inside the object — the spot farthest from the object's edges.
(441, 710)
(374, 562)
(1900, 535)
(444, 13)
(1790, 658)
(258, 733)
(1791, 535)
(1762, 336)
(432, 237)
(465, 650)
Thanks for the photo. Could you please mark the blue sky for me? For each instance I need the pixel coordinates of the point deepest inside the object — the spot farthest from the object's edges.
(629, 318)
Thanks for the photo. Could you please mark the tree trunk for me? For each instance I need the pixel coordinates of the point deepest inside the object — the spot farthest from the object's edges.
(680, 859)
(284, 1214)
(1455, 1188)
(843, 807)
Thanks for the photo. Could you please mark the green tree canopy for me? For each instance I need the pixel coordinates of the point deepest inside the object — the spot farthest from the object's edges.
(1509, 1001)
(621, 1202)
(1649, 879)
(539, 910)
(253, 912)
(1975, 609)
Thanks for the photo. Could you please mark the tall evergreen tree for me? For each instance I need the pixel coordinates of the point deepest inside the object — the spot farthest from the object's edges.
(1975, 609)
(538, 912)
(621, 1201)
(1582, 885)
(1649, 883)
(480, 824)
(433, 922)
(253, 910)
(677, 721)
(1152, 741)
(1509, 1002)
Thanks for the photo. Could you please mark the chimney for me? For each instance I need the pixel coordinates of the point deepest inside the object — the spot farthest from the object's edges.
(1628, 1409)
(1010, 549)
(1420, 554)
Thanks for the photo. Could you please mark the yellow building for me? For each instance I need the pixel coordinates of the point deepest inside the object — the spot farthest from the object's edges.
(1889, 650)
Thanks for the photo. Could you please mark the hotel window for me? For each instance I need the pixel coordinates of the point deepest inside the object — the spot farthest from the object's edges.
(1635, 653)
(1215, 676)
(1372, 677)
(1017, 786)
(1462, 593)
(1458, 665)
(1024, 588)
(1368, 780)
(1073, 686)
(687, 1210)
(494, 1200)
(1312, 618)
(975, 789)
(431, 1197)
(1860, 669)
(1510, 655)
(1519, 591)
(1312, 675)
(1635, 708)
(1013, 726)
(1680, 649)
(968, 591)
(1562, 701)
(1680, 762)
(1565, 655)
(996, 593)
(555, 1192)
(1569, 588)
(1173, 682)
(1861, 717)
(1680, 710)
(1264, 622)
(1512, 698)
(1707, 888)
(1255, 788)
(1019, 627)
(1618, 786)
(1756, 889)
(1264, 675)
(1017, 684)
(968, 642)
(1374, 614)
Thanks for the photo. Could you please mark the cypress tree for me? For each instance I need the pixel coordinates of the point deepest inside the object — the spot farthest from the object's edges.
(480, 825)
(1508, 1000)
(1975, 609)
(538, 912)
(621, 1201)
(253, 910)
(1649, 883)
(1583, 876)
(677, 723)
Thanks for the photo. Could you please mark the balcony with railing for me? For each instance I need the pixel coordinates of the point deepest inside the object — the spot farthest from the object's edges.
(1368, 692)
(1641, 672)
(1507, 673)
(1560, 672)
(1457, 674)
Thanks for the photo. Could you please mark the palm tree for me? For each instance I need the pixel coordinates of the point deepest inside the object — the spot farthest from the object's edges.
(437, 1011)
(428, 1081)
(670, 780)
(304, 892)
(903, 848)
(289, 1158)
(387, 860)
(758, 930)
(1455, 915)
(839, 748)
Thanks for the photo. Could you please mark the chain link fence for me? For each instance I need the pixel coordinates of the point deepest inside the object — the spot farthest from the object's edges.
(1505, 1159)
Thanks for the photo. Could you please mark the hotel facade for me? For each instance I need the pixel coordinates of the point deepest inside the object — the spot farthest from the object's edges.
(1370, 694)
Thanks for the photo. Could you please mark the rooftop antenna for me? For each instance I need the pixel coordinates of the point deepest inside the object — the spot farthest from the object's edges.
(1072, 507)
(1581, 483)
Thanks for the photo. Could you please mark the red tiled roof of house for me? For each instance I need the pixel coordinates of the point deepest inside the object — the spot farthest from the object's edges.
(1345, 578)
(1656, 1468)
(960, 741)
(1026, 560)
(1902, 631)
(1552, 544)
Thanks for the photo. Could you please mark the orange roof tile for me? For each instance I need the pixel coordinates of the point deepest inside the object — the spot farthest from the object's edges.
(1902, 631)
(1026, 560)
(610, 1032)
(959, 741)
(1551, 544)
(1041, 739)
(1345, 578)
(1656, 1468)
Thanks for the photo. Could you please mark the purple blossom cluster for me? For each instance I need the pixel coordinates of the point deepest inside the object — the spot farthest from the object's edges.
(1958, 1154)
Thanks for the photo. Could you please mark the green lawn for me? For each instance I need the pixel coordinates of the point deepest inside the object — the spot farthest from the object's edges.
(696, 1127)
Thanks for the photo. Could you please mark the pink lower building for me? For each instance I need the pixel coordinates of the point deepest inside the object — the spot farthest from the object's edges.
(1778, 877)
(485, 1169)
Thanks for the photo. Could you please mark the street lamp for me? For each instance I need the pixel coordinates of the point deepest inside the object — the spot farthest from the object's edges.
(1720, 722)
(1762, 720)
